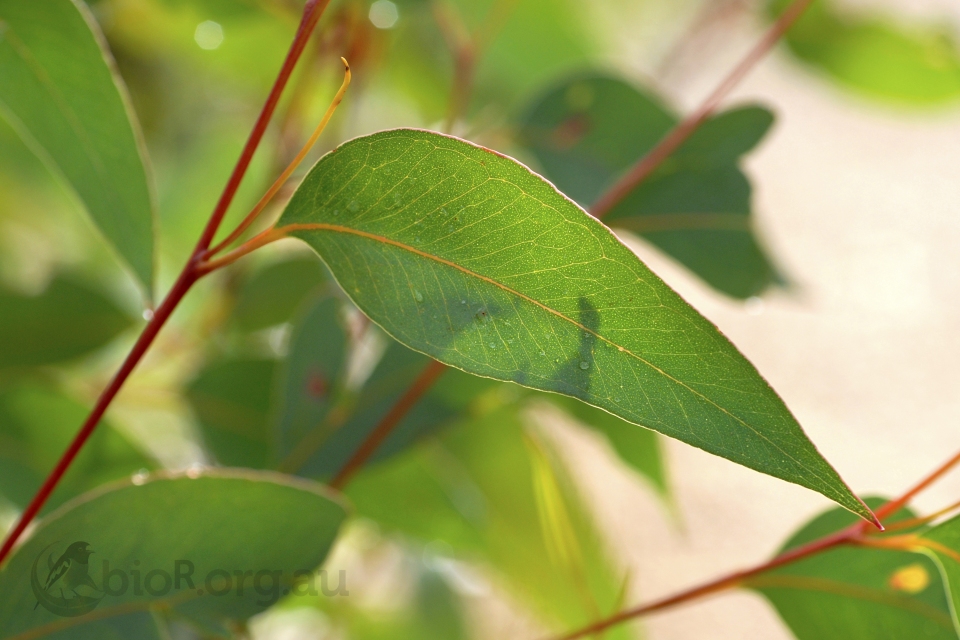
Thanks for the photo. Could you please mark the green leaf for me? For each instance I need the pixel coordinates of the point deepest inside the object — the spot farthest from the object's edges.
(36, 425)
(943, 546)
(325, 441)
(231, 400)
(639, 448)
(62, 94)
(876, 56)
(465, 255)
(495, 493)
(857, 593)
(271, 295)
(211, 526)
(312, 378)
(695, 207)
(66, 321)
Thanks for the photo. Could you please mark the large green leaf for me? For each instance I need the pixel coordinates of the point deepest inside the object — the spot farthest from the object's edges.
(36, 425)
(875, 55)
(494, 492)
(465, 255)
(857, 593)
(695, 207)
(945, 550)
(64, 322)
(60, 91)
(212, 525)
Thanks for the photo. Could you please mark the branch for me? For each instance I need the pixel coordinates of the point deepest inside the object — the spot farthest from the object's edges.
(647, 164)
(188, 277)
(311, 14)
(393, 417)
(285, 175)
(858, 533)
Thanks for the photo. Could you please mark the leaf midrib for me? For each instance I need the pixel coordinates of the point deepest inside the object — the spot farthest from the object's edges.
(321, 226)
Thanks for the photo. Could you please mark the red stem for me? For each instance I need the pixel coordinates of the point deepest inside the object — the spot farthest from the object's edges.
(311, 14)
(844, 536)
(853, 534)
(386, 425)
(188, 276)
(160, 316)
(648, 163)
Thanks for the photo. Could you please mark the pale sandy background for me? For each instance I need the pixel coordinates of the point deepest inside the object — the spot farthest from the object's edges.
(860, 205)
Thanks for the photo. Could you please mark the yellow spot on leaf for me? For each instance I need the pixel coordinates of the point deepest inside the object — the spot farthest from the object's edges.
(912, 578)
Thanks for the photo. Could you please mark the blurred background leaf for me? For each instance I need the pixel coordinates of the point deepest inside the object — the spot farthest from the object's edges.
(213, 520)
(696, 207)
(66, 321)
(496, 493)
(36, 425)
(63, 96)
(910, 64)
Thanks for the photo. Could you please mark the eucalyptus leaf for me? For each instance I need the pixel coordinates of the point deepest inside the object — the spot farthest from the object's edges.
(36, 425)
(272, 295)
(66, 321)
(60, 91)
(696, 207)
(857, 593)
(465, 255)
(311, 380)
(191, 544)
(875, 55)
(232, 402)
(942, 544)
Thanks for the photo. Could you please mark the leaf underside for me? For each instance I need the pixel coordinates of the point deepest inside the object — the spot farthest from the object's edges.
(466, 255)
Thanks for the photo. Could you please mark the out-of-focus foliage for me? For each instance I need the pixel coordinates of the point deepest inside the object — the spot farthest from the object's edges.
(36, 425)
(696, 206)
(856, 592)
(66, 321)
(61, 94)
(496, 493)
(876, 55)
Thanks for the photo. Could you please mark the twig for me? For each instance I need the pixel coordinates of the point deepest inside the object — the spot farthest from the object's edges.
(647, 164)
(386, 425)
(188, 276)
(466, 49)
(858, 533)
(311, 14)
(282, 179)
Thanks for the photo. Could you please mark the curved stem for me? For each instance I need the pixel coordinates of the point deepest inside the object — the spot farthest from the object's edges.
(280, 181)
(191, 272)
(858, 533)
(648, 163)
(386, 425)
(311, 14)
(160, 316)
